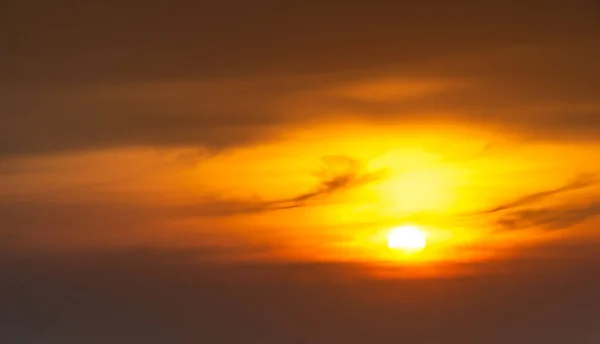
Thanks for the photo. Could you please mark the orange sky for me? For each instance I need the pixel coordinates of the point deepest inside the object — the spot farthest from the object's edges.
(289, 140)
(328, 188)
(230, 171)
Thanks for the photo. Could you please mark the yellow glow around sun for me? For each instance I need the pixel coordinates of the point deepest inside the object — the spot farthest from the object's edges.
(407, 238)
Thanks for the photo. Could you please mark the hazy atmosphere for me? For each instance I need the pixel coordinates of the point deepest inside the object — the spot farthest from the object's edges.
(300, 172)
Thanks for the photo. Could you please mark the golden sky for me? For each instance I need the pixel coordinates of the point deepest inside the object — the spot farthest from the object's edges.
(323, 171)
(232, 171)
(278, 152)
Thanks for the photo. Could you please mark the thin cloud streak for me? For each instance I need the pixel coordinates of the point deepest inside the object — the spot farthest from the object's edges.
(340, 173)
(579, 183)
(549, 218)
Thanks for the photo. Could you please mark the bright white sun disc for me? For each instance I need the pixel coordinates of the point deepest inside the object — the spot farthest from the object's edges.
(407, 238)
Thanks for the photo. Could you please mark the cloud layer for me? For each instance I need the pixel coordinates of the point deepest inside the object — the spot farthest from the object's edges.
(105, 75)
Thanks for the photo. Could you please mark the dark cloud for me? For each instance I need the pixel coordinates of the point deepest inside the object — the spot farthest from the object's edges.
(553, 102)
(531, 90)
(8, 168)
(532, 68)
(155, 296)
(120, 40)
(47, 223)
(154, 115)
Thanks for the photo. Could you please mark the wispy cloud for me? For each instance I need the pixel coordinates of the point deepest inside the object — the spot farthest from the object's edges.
(580, 182)
(550, 218)
(529, 211)
(339, 173)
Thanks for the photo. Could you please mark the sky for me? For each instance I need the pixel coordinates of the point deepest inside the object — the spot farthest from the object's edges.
(229, 172)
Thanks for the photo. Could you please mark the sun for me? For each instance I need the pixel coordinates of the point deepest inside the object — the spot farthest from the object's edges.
(408, 238)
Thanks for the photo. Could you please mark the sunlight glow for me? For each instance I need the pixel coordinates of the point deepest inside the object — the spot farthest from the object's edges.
(408, 238)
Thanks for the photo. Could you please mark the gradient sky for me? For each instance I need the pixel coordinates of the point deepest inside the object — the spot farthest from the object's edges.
(227, 172)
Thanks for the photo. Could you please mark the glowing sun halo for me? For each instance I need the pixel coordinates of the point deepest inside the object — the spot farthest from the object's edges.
(407, 238)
